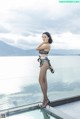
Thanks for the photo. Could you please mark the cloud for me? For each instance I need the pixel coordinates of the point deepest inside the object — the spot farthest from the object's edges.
(3, 29)
(29, 42)
(21, 41)
(26, 20)
(66, 41)
(56, 19)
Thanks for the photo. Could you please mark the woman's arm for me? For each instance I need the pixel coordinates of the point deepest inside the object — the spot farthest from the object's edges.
(42, 46)
(39, 46)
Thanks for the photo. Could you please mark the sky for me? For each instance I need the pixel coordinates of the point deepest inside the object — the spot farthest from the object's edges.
(22, 23)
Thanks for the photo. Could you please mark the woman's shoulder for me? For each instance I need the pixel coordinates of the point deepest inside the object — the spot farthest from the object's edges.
(48, 46)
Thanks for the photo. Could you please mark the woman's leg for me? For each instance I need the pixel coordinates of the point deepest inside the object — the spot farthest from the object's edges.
(43, 80)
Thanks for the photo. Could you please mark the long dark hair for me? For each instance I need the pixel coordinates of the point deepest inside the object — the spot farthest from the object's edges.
(50, 38)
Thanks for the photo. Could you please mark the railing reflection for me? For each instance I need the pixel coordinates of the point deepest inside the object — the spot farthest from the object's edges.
(45, 114)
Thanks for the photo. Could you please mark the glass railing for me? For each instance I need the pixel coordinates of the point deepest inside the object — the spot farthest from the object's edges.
(33, 111)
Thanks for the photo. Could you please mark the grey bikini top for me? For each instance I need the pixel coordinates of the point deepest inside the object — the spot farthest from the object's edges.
(43, 51)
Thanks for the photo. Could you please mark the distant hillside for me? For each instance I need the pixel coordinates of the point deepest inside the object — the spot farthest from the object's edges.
(65, 52)
(9, 50)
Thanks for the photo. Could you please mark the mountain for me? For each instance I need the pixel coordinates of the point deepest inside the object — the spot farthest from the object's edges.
(65, 52)
(9, 50)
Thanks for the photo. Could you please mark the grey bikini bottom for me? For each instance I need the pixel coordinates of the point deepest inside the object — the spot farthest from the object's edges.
(45, 60)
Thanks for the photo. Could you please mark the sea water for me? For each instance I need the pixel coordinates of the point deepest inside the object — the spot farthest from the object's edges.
(19, 83)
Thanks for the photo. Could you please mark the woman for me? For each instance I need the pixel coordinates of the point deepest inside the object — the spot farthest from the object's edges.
(44, 49)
